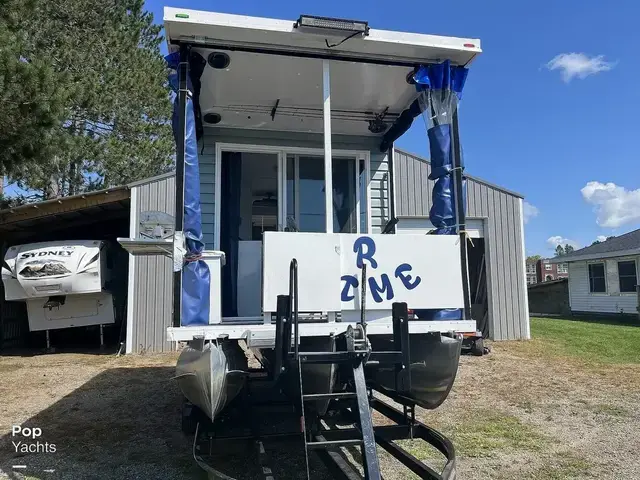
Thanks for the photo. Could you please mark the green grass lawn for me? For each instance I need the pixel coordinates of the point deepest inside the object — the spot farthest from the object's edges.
(588, 339)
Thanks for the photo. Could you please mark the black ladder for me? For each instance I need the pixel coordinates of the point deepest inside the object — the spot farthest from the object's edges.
(356, 354)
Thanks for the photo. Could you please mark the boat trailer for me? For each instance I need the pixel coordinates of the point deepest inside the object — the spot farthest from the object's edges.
(264, 412)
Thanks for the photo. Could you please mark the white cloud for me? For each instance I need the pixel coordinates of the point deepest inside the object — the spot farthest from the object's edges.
(556, 240)
(613, 205)
(578, 65)
(529, 211)
(601, 238)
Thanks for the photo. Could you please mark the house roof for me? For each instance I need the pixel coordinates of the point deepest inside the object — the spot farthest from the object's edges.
(627, 244)
(547, 283)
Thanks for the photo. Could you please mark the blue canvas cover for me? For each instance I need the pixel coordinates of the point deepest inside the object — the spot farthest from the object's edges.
(440, 86)
(196, 277)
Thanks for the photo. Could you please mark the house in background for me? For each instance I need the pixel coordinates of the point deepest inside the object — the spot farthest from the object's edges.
(603, 277)
(532, 278)
(544, 270)
(547, 270)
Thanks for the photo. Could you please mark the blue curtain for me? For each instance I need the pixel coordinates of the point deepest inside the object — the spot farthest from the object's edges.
(440, 87)
(196, 277)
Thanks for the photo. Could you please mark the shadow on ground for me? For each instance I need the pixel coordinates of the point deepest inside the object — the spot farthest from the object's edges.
(125, 423)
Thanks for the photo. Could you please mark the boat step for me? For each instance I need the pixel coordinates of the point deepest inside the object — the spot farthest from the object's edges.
(333, 444)
(329, 396)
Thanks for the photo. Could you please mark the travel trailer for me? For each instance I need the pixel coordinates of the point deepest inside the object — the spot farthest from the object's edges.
(285, 240)
(63, 284)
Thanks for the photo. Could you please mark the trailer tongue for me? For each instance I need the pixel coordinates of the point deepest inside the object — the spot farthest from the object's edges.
(295, 123)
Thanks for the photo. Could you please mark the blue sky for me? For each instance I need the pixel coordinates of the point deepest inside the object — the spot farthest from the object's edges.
(565, 138)
(525, 126)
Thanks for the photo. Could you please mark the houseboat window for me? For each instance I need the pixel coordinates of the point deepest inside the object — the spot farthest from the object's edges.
(597, 281)
(627, 276)
(311, 215)
(345, 215)
(305, 194)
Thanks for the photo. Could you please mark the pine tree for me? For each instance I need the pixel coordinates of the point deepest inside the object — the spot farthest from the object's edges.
(84, 95)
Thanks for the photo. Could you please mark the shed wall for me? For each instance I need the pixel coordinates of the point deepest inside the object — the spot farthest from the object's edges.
(508, 309)
(152, 293)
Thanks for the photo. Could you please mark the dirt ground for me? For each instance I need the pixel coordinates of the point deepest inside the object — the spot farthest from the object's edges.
(513, 414)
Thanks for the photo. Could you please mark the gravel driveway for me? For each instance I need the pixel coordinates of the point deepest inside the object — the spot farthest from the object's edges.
(515, 413)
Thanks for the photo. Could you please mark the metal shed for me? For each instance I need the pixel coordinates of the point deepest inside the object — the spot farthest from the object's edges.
(494, 214)
(149, 307)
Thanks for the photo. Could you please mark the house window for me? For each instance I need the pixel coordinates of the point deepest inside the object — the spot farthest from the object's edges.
(531, 268)
(627, 276)
(548, 266)
(563, 268)
(597, 282)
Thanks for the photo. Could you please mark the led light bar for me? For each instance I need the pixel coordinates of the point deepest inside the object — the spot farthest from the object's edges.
(327, 23)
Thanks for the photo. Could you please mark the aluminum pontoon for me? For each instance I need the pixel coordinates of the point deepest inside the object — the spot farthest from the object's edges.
(285, 232)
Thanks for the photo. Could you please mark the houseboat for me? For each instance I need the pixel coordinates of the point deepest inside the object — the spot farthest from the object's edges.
(285, 134)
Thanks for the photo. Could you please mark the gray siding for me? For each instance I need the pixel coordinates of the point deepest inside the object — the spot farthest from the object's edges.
(508, 316)
(582, 300)
(379, 168)
(152, 289)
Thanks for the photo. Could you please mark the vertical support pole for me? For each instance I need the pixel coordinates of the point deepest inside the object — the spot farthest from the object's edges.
(328, 175)
(401, 339)
(48, 340)
(392, 190)
(101, 336)
(458, 198)
(183, 72)
(283, 334)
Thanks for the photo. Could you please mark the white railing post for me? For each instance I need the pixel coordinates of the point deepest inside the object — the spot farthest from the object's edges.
(326, 114)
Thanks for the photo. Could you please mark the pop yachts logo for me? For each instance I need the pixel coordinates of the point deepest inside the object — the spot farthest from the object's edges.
(365, 249)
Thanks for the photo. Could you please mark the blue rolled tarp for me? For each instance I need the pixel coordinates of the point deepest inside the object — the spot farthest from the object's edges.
(440, 86)
(196, 277)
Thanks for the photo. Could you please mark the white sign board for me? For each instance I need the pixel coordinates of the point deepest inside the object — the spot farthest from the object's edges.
(318, 256)
(421, 270)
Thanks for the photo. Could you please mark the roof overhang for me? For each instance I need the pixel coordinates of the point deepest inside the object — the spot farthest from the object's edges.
(240, 31)
(62, 212)
(595, 256)
(274, 78)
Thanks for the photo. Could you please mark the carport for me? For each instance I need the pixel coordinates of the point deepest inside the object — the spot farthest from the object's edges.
(98, 215)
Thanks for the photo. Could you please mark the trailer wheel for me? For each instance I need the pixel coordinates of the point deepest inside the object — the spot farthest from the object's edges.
(477, 347)
(189, 418)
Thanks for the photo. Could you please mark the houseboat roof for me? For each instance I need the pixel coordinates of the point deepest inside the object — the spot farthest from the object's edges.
(227, 30)
(267, 74)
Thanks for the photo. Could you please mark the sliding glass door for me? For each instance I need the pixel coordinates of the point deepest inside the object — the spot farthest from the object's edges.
(305, 194)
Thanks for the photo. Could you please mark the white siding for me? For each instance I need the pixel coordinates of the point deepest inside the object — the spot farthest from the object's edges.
(582, 300)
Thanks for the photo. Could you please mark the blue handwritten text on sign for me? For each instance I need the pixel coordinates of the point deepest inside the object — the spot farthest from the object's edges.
(365, 249)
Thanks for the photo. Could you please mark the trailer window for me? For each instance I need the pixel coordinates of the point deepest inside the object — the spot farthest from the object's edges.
(597, 281)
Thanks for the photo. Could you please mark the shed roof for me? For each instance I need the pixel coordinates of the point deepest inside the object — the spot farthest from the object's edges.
(627, 244)
(63, 211)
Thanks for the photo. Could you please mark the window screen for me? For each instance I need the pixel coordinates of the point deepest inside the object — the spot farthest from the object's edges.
(627, 276)
(597, 282)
